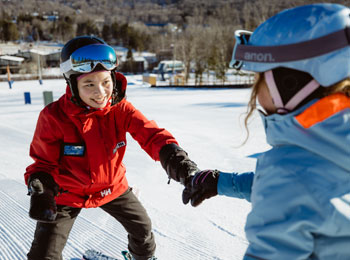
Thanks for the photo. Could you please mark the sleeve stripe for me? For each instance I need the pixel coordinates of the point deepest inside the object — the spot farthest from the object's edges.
(323, 109)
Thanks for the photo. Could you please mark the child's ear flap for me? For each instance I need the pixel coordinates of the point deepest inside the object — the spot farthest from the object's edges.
(120, 84)
(122, 79)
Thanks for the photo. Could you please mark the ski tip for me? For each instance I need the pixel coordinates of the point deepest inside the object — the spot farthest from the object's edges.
(127, 255)
(92, 254)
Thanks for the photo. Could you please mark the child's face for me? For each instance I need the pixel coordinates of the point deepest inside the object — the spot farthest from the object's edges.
(265, 99)
(96, 88)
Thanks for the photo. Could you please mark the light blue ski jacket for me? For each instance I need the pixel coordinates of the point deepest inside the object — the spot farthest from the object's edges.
(301, 189)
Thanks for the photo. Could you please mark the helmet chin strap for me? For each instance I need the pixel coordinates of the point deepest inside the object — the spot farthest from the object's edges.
(75, 99)
(295, 100)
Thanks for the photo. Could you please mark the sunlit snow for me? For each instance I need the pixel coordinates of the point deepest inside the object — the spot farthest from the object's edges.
(207, 123)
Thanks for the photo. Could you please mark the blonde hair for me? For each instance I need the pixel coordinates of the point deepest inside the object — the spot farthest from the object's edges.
(340, 87)
(252, 102)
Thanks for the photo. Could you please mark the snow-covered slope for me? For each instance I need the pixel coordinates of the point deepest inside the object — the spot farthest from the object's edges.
(207, 124)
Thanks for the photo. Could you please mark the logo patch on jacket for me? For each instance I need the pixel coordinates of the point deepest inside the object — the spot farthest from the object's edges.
(106, 192)
(120, 144)
(73, 149)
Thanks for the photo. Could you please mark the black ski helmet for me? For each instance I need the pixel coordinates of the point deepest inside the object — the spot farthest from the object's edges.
(71, 75)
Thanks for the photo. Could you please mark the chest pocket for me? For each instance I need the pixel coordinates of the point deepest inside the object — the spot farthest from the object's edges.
(73, 149)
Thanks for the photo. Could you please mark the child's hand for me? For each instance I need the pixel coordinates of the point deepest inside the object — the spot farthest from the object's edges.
(42, 202)
(202, 186)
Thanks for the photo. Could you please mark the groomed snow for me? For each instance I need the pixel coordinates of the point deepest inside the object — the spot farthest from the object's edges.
(207, 123)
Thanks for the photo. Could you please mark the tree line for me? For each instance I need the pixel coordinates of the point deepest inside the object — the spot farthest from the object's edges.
(29, 28)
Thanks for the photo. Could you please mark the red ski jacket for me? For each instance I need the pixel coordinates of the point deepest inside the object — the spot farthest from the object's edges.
(83, 149)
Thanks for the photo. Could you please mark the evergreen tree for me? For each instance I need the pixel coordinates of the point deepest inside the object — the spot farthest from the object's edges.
(106, 32)
(9, 31)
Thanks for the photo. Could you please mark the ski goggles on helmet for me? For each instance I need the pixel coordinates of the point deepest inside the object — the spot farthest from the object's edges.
(85, 59)
(242, 38)
(246, 54)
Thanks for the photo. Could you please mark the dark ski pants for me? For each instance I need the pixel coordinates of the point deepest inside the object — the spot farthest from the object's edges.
(50, 238)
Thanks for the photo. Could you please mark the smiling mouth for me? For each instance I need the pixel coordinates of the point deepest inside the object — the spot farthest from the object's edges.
(99, 101)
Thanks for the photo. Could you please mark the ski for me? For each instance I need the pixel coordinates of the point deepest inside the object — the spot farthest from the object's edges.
(92, 254)
(96, 255)
(127, 255)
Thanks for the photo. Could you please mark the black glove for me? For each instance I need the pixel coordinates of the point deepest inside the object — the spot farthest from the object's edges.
(176, 163)
(42, 188)
(202, 186)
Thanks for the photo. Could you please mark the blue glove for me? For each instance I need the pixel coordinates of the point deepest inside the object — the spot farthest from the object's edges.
(202, 186)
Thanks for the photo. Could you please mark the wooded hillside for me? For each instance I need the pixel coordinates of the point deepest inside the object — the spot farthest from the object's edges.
(195, 31)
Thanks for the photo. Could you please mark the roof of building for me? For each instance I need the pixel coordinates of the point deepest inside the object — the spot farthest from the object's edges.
(11, 58)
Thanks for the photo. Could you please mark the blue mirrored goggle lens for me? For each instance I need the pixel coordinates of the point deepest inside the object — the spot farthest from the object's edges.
(86, 58)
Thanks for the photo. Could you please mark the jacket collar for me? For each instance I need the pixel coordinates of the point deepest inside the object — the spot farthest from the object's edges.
(328, 137)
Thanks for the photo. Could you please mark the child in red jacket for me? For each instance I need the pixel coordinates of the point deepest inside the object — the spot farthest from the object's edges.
(78, 149)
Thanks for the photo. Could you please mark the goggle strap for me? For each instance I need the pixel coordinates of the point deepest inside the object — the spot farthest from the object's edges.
(295, 100)
(271, 84)
(65, 66)
(293, 52)
(302, 94)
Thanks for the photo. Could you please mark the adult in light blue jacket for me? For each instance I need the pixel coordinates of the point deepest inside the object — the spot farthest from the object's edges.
(300, 192)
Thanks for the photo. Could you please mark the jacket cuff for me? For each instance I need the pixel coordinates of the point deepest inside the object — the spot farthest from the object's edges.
(166, 151)
(236, 185)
